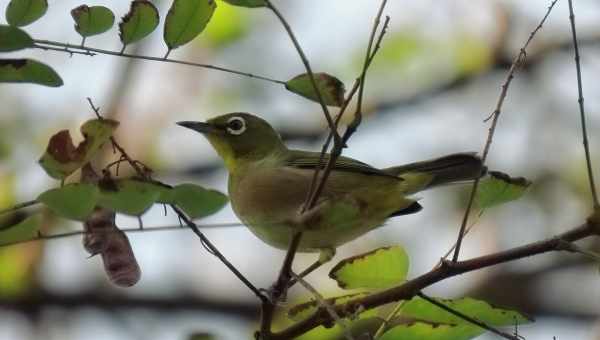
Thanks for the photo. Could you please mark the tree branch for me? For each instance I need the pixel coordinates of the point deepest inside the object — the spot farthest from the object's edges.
(446, 270)
(41, 43)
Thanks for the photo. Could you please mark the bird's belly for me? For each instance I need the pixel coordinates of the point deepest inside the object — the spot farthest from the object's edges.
(279, 235)
(269, 200)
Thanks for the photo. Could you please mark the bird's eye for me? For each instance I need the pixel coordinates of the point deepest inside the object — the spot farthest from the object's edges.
(236, 125)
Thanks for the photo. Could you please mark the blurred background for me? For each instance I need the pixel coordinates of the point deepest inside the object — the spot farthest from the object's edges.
(435, 80)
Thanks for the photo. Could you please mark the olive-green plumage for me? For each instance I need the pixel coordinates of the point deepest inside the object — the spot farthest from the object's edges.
(268, 184)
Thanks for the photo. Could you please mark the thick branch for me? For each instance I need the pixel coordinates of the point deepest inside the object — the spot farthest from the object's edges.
(448, 269)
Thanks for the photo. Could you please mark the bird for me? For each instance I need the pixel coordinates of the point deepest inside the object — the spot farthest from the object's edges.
(268, 184)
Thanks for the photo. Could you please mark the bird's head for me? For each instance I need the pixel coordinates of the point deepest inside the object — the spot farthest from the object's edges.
(239, 138)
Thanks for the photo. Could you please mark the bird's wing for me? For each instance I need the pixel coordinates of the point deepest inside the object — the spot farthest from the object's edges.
(310, 160)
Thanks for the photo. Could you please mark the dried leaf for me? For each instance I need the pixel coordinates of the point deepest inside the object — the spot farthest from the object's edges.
(62, 158)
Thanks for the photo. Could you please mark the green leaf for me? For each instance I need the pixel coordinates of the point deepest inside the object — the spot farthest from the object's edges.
(423, 310)
(24, 12)
(247, 3)
(140, 21)
(128, 196)
(331, 89)
(186, 19)
(500, 188)
(194, 200)
(24, 230)
(380, 268)
(28, 71)
(432, 331)
(92, 20)
(62, 158)
(13, 39)
(73, 201)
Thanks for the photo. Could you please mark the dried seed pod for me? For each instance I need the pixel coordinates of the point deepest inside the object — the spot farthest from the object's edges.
(97, 228)
(102, 236)
(119, 261)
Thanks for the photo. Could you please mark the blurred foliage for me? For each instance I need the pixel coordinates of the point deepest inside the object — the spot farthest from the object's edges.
(228, 25)
(16, 262)
(472, 55)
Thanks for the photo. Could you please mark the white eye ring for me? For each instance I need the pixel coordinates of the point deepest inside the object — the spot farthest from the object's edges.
(239, 130)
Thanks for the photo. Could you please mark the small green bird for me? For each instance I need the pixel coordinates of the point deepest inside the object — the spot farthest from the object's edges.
(268, 185)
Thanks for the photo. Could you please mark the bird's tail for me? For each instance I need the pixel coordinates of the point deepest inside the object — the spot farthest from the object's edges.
(443, 170)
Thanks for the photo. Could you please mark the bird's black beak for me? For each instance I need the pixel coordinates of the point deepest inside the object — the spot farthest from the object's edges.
(200, 127)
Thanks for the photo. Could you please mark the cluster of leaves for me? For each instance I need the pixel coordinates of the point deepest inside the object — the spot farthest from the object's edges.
(96, 199)
(22, 13)
(417, 318)
(185, 20)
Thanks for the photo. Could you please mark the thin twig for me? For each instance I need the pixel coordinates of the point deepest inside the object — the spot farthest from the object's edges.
(325, 305)
(467, 231)
(338, 118)
(126, 230)
(64, 50)
(467, 318)
(337, 149)
(159, 59)
(517, 61)
(18, 207)
(311, 76)
(588, 158)
(388, 319)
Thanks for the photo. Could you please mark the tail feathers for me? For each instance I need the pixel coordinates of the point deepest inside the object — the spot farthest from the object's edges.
(447, 169)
